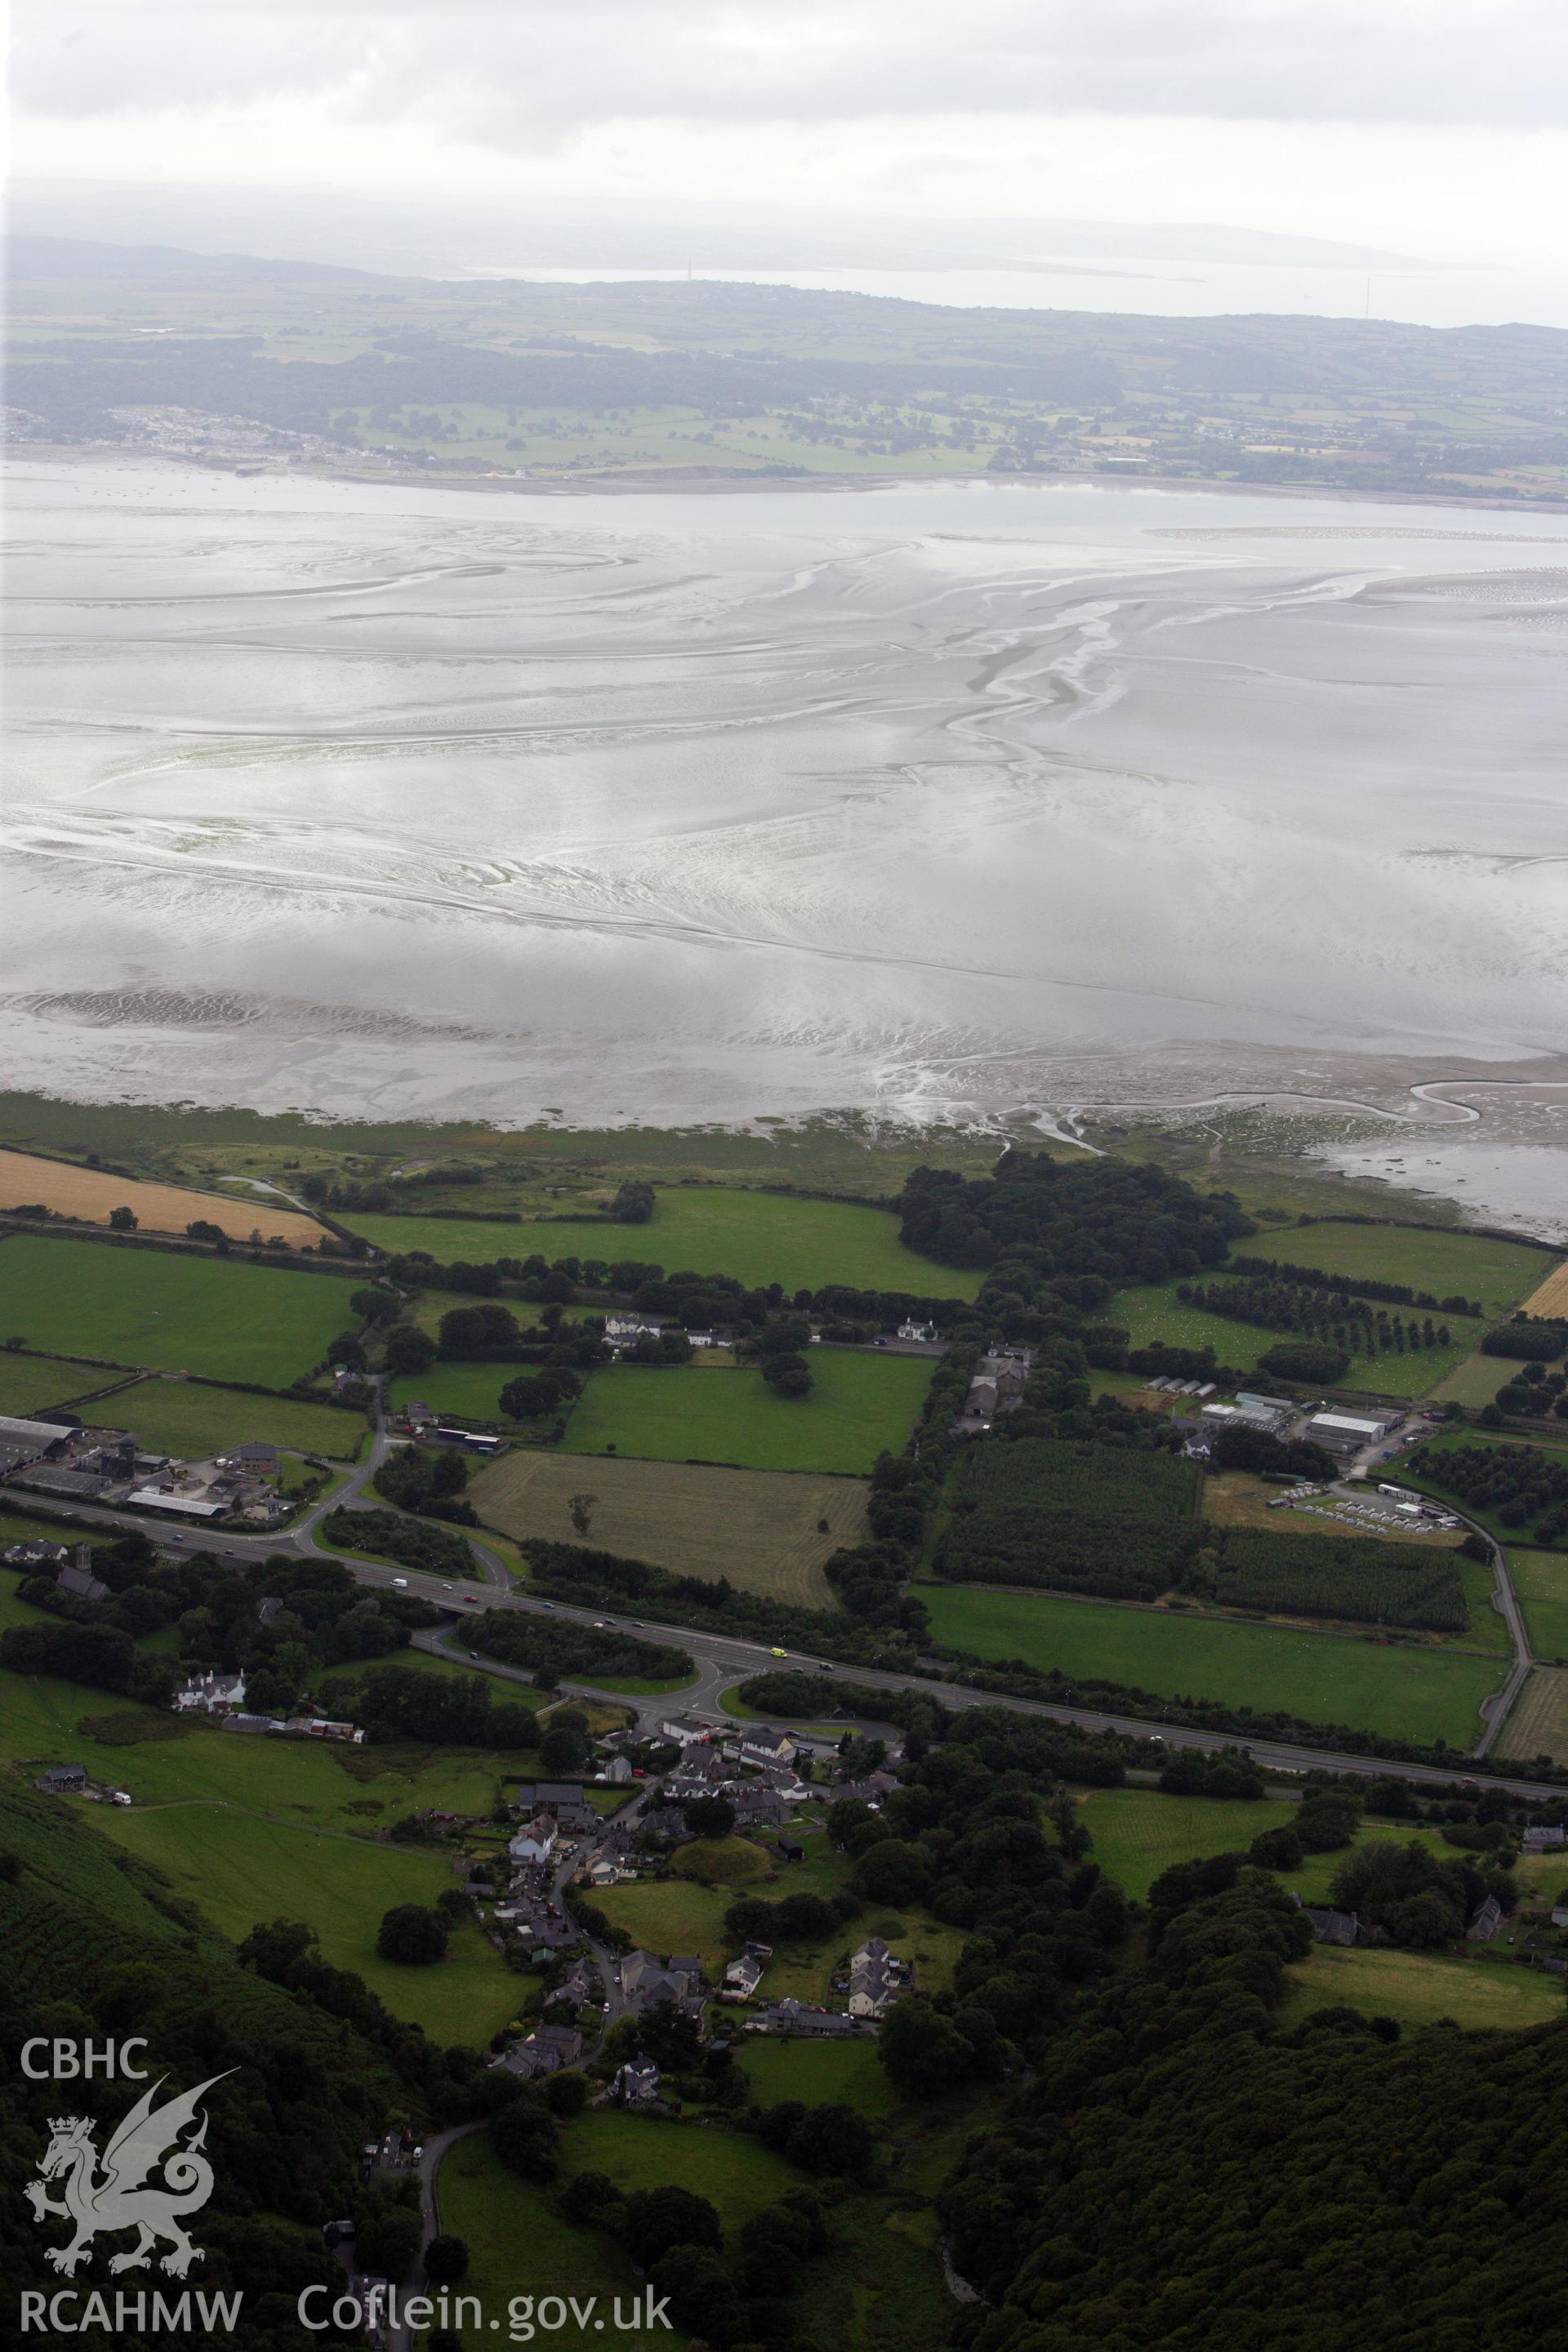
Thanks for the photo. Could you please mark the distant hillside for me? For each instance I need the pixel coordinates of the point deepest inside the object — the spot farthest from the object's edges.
(505, 376)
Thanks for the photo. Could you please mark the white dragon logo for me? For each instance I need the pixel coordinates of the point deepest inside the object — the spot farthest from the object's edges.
(116, 2199)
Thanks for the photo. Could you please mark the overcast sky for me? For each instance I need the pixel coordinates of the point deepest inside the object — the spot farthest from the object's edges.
(1434, 127)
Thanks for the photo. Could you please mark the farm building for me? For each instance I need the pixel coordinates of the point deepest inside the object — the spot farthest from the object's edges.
(24, 1442)
(1259, 1413)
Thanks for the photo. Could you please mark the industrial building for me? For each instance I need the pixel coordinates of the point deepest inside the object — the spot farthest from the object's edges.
(1348, 1432)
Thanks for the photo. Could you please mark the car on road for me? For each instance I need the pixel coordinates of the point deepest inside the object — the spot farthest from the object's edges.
(400, 1584)
(599, 1626)
(472, 1598)
(473, 1654)
(778, 1653)
(547, 1604)
(446, 1588)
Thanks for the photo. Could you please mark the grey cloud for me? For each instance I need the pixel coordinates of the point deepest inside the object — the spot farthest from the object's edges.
(523, 69)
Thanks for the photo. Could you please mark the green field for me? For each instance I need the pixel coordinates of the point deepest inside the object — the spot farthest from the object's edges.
(1423, 1257)
(861, 1405)
(176, 1314)
(672, 1914)
(758, 1237)
(1418, 1988)
(721, 1862)
(240, 1871)
(1423, 1695)
(1540, 1580)
(808, 1970)
(32, 1383)
(461, 1391)
(762, 1529)
(846, 2073)
(520, 2245)
(1139, 1833)
(1153, 1311)
(13, 1610)
(734, 2172)
(302, 1783)
(1475, 1382)
(187, 1419)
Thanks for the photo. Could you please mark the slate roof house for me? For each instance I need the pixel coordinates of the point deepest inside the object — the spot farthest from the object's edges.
(1486, 1922)
(645, 1982)
(62, 1779)
(792, 2017)
(876, 1979)
(210, 1694)
(636, 2083)
(759, 1809)
(36, 1555)
(77, 1578)
(1333, 1926)
(547, 2049)
(742, 1978)
(762, 1744)
(660, 1824)
(535, 1842)
(564, 1799)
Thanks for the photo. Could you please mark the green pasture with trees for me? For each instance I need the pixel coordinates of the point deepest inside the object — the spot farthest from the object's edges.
(860, 1405)
(758, 1237)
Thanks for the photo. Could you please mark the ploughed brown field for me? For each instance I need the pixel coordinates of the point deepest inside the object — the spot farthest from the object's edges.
(91, 1194)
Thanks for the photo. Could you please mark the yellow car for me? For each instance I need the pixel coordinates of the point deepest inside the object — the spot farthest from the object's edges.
(778, 1653)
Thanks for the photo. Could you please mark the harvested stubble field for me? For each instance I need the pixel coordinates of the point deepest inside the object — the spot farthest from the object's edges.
(89, 1193)
(762, 1529)
(1540, 1580)
(1549, 1303)
(1538, 1723)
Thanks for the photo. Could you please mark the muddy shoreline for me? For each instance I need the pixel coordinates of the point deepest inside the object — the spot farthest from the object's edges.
(719, 482)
